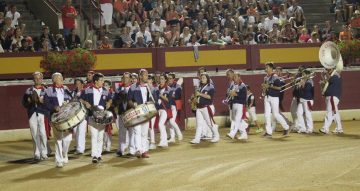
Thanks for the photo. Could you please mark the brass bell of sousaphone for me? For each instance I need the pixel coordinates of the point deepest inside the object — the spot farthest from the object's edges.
(330, 57)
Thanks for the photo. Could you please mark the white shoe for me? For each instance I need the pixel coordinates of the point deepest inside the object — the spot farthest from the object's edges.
(180, 137)
(228, 135)
(215, 140)
(194, 141)
(152, 146)
(162, 145)
(44, 157)
(59, 164)
(338, 132)
(66, 160)
(243, 137)
(308, 131)
(206, 138)
(171, 140)
(301, 131)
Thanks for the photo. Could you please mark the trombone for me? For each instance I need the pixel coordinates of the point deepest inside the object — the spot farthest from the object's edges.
(297, 81)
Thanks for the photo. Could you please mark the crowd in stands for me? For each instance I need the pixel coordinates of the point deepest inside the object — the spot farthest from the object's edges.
(178, 23)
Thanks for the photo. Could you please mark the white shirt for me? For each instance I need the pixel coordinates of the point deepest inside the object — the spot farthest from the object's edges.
(97, 95)
(144, 94)
(146, 35)
(268, 24)
(160, 27)
(14, 17)
(186, 38)
(60, 95)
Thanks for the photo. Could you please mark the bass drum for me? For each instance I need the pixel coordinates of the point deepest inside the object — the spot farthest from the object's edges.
(70, 115)
(140, 114)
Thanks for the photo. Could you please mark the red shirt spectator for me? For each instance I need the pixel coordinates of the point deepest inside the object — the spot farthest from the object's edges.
(68, 17)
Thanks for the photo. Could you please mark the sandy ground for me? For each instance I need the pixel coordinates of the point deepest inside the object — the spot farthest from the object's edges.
(298, 162)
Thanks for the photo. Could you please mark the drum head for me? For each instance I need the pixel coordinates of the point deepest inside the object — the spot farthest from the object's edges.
(66, 112)
(140, 119)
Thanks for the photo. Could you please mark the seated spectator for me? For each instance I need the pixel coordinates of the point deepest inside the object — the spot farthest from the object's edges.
(140, 43)
(126, 36)
(269, 21)
(215, 41)
(158, 25)
(326, 30)
(147, 4)
(2, 20)
(187, 23)
(193, 41)
(201, 22)
(14, 15)
(171, 14)
(249, 39)
(25, 46)
(304, 36)
(118, 43)
(226, 36)
(274, 34)
(314, 38)
(105, 44)
(132, 23)
(61, 43)
(44, 45)
(140, 13)
(16, 40)
(73, 40)
(262, 38)
(235, 39)
(181, 42)
(49, 39)
(178, 6)
(145, 34)
(186, 34)
(158, 40)
(172, 36)
(345, 34)
(88, 45)
(288, 34)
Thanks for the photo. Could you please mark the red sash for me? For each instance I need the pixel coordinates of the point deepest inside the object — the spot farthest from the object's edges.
(332, 104)
(211, 114)
(310, 106)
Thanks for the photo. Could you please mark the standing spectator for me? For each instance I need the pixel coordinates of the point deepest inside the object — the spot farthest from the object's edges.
(68, 14)
(292, 9)
(107, 13)
(72, 40)
(270, 20)
(298, 21)
(326, 30)
(14, 15)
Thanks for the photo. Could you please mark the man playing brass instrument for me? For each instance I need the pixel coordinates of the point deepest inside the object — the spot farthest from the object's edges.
(332, 98)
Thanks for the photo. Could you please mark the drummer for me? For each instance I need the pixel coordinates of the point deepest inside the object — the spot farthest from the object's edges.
(139, 94)
(97, 95)
(56, 96)
(79, 130)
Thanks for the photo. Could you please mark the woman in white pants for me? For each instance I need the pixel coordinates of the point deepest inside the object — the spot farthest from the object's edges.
(305, 106)
(164, 106)
(205, 110)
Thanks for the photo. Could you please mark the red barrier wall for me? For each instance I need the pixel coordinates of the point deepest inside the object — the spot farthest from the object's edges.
(13, 115)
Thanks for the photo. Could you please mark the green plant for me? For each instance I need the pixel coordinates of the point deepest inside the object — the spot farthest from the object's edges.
(349, 49)
(71, 63)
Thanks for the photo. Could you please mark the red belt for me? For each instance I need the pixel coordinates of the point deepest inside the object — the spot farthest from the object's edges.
(309, 105)
(332, 104)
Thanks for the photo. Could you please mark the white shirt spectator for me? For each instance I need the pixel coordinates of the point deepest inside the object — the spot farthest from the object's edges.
(146, 35)
(14, 18)
(291, 10)
(160, 28)
(268, 24)
(132, 27)
(185, 37)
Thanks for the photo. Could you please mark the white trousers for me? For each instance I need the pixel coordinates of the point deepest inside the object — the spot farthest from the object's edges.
(240, 124)
(107, 14)
(232, 122)
(271, 105)
(80, 136)
(206, 130)
(174, 127)
(332, 115)
(293, 111)
(203, 120)
(252, 114)
(107, 141)
(141, 141)
(38, 133)
(62, 144)
(97, 138)
(123, 136)
(306, 124)
(162, 127)
(152, 131)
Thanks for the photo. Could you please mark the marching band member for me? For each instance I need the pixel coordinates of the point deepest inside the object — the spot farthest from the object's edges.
(126, 135)
(205, 110)
(134, 78)
(79, 130)
(96, 95)
(332, 99)
(230, 76)
(271, 101)
(176, 103)
(34, 103)
(306, 94)
(108, 127)
(251, 105)
(56, 96)
(89, 79)
(152, 123)
(163, 107)
(238, 108)
(206, 131)
(295, 100)
(139, 94)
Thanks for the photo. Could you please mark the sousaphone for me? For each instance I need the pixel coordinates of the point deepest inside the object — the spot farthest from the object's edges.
(330, 58)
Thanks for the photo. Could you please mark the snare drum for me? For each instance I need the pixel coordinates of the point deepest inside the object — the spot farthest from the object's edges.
(103, 117)
(69, 115)
(140, 114)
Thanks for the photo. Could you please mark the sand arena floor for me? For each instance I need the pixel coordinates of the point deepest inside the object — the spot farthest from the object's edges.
(298, 162)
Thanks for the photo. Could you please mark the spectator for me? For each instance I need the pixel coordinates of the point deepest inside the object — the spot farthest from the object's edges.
(193, 41)
(178, 6)
(201, 22)
(147, 5)
(215, 41)
(270, 20)
(61, 43)
(140, 43)
(49, 39)
(262, 38)
(145, 34)
(288, 34)
(88, 45)
(274, 34)
(72, 40)
(304, 36)
(158, 25)
(314, 38)
(186, 34)
(68, 14)
(228, 22)
(345, 34)
(25, 46)
(339, 10)
(118, 43)
(126, 36)
(159, 40)
(249, 39)
(226, 36)
(282, 14)
(44, 45)
(172, 36)
(133, 24)
(180, 43)
(252, 13)
(105, 44)
(16, 40)
(298, 21)
(107, 13)
(294, 8)
(171, 14)
(14, 15)
(140, 13)
(2, 20)
(235, 39)
(326, 30)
